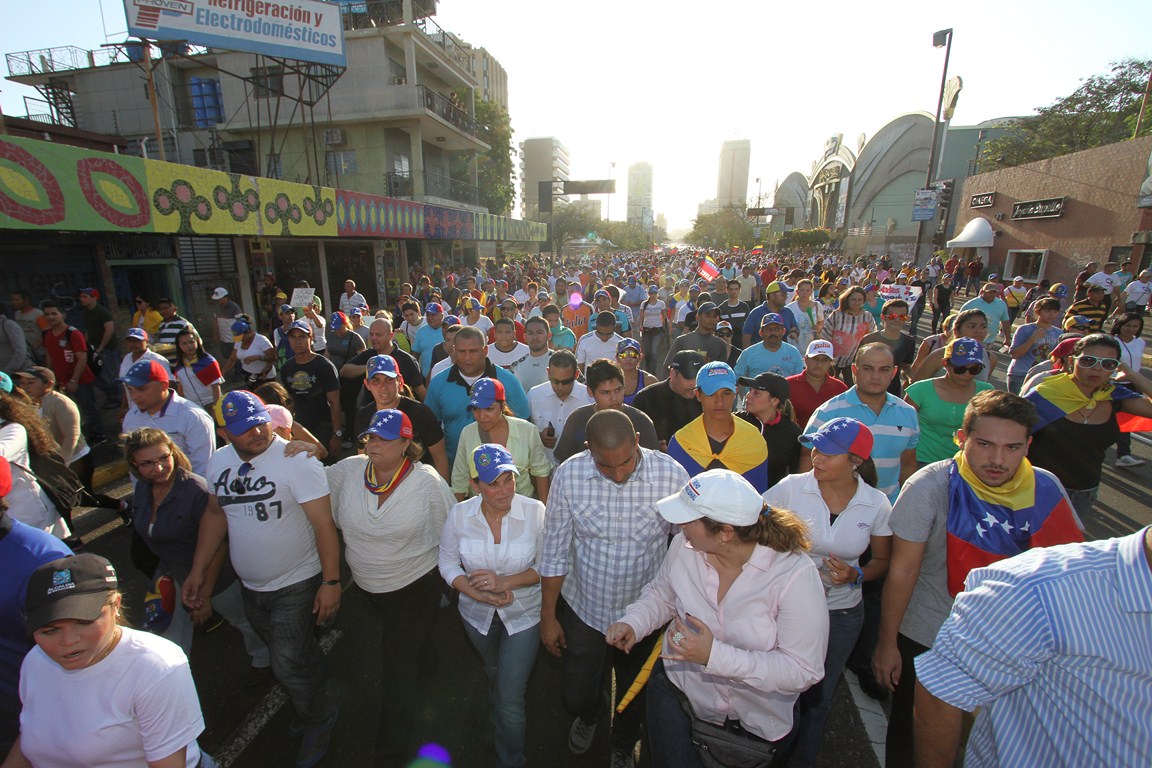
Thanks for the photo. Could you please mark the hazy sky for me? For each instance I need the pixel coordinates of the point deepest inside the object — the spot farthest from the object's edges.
(668, 82)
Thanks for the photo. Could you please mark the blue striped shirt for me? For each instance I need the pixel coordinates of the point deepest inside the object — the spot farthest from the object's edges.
(1054, 647)
(895, 430)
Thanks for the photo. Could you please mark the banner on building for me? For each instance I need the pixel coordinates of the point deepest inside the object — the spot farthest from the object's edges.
(924, 205)
(305, 30)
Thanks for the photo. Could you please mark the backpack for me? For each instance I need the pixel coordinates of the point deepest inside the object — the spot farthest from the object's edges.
(95, 364)
(58, 482)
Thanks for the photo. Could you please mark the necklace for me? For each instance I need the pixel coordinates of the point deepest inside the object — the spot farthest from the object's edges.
(111, 647)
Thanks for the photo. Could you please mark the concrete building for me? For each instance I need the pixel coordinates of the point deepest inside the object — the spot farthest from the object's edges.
(732, 185)
(639, 193)
(490, 77)
(543, 158)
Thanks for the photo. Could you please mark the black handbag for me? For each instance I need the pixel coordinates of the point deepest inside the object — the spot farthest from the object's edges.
(58, 482)
(728, 745)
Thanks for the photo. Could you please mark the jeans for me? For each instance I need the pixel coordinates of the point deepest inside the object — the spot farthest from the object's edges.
(1124, 444)
(650, 344)
(284, 621)
(85, 398)
(583, 662)
(1015, 383)
(1082, 502)
(813, 705)
(898, 751)
(508, 661)
(408, 615)
(230, 605)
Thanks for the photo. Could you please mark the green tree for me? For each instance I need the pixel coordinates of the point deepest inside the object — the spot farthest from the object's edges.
(1101, 111)
(494, 167)
(623, 235)
(805, 238)
(571, 222)
(724, 229)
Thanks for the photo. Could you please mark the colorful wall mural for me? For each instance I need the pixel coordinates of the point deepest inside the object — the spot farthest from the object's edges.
(55, 187)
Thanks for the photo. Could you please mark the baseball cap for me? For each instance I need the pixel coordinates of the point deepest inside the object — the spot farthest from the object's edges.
(715, 376)
(1075, 320)
(5, 383)
(471, 303)
(687, 362)
(355, 312)
(772, 318)
(219, 293)
(1018, 279)
(73, 587)
(136, 333)
(241, 327)
(775, 286)
(627, 344)
(144, 372)
(434, 309)
(5, 477)
(94, 293)
(486, 392)
(840, 435)
(159, 604)
(602, 295)
(240, 410)
(819, 347)
(279, 417)
(653, 289)
(337, 321)
(723, 325)
(707, 308)
(489, 461)
(1059, 290)
(451, 320)
(286, 308)
(384, 365)
(772, 383)
(994, 276)
(38, 372)
(389, 424)
(301, 325)
(964, 351)
(718, 494)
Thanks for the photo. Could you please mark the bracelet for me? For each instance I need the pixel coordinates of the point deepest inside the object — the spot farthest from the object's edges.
(859, 577)
(330, 583)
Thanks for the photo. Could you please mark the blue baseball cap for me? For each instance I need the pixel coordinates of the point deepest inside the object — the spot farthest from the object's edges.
(136, 333)
(602, 295)
(838, 436)
(146, 371)
(384, 365)
(964, 351)
(337, 321)
(5, 383)
(434, 309)
(627, 344)
(240, 410)
(301, 325)
(287, 308)
(240, 327)
(715, 376)
(389, 424)
(772, 318)
(486, 392)
(472, 303)
(451, 320)
(489, 461)
(653, 289)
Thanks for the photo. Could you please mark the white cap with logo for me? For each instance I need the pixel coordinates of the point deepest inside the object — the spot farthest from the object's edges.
(819, 347)
(718, 494)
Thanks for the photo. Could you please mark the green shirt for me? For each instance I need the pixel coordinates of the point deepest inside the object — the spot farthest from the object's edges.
(523, 443)
(563, 338)
(939, 420)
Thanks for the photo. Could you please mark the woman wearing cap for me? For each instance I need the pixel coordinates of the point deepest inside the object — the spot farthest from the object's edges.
(969, 323)
(96, 693)
(273, 393)
(844, 327)
(198, 374)
(1079, 413)
(494, 423)
(725, 333)
(629, 355)
(256, 355)
(168, 502)
(940, 402)
(766, 407)
(390, 508)
(846, 515)
(748, 628)
(489, 550)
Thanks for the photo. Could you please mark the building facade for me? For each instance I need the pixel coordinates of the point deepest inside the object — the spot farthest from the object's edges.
(640, 194)
(732, 184)
(543, 158)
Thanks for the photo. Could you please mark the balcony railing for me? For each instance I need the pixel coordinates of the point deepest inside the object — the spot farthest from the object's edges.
(450, 109)
(456, 52)
(399, 184)
(369, 14)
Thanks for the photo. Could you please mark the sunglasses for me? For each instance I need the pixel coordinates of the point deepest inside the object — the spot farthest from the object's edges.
(894, 316)
(1091, 361)
(974, 369)
(563, 382)
(628, 353)
(724, 334)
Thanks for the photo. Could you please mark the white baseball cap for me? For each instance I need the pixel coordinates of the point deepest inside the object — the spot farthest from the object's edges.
(219, 293)
(718, 494)
(819, 347)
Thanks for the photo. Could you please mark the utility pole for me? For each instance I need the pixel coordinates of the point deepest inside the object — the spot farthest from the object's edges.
(941, 39)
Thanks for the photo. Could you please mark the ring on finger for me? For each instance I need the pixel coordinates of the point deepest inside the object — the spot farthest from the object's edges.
(677, 638)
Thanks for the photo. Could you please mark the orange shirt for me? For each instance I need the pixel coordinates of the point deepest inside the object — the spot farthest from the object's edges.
(576, 320)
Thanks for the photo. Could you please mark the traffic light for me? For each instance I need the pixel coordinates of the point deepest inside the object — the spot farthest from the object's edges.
(939, 239)
(944, 189)
(545, 196)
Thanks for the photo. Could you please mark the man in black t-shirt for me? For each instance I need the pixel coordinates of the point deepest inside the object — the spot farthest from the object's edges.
(734, 311)
(315, 387)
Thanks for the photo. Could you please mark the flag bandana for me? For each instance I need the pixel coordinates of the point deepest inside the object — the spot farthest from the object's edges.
(988, 524)
(1057, 396)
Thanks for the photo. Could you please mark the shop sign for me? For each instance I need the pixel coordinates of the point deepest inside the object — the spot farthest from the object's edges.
(986, 200)
(1049, 208)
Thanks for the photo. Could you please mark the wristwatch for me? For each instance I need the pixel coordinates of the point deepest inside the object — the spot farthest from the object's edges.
(339, 433)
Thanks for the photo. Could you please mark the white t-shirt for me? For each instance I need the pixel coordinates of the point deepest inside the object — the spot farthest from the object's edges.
(136, 705)
(1101, 278)
(259, 346)
(652, 313)
(1138, 291)
(271, 542)
(506, 359)
(865, 516)
(27, 502)
(531, 370)
(548, 409)
(484, 323)
(389, 547)
(591, 347)
(127, 362)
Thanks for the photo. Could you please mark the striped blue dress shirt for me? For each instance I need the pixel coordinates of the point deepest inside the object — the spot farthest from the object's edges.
(1054, 647)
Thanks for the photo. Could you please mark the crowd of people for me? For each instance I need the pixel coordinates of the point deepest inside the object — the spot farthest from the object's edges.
(730, 478)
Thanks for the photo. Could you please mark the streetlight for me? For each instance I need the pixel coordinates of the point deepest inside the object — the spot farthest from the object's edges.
(940, 39)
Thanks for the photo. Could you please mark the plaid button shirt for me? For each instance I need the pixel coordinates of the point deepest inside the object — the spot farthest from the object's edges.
(607, 538)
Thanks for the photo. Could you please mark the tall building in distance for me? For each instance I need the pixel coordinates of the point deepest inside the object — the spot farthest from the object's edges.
(732, 185)
(491, 79)
(542, 158)
(640, 194)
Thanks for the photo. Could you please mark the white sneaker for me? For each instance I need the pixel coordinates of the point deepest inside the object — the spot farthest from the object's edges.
(1129, 461)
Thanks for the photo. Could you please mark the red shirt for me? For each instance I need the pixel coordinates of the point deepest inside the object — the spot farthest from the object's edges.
(61, 350)
(805, 400)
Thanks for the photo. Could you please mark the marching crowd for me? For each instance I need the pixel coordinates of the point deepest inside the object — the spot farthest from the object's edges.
(730, 480)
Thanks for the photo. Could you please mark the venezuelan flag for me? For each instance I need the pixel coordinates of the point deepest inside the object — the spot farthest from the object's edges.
(1057, 396)
(707, 268)
(207, 370)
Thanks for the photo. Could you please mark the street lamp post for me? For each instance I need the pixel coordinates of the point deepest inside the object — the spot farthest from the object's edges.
(941, 39)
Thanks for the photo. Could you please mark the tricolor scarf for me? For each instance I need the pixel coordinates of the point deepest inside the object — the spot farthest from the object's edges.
(988, 524)
(207, 370)
(375, 487)
(1057, 396)
(744, 453)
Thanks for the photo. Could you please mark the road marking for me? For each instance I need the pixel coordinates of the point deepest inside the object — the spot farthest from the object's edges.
(872, 716)
(263, 713)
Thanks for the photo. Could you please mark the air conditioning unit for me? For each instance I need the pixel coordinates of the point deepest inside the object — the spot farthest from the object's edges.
(334, 137)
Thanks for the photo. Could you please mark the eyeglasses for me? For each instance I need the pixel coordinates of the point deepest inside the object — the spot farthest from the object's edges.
(724, 334)
(976, 369)
(628, 353)
(1091, 361)
(154, 462)
(894, 316)
(563, 382)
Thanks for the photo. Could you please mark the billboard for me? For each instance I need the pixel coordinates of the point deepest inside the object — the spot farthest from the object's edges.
(924, 205)
(307, 30)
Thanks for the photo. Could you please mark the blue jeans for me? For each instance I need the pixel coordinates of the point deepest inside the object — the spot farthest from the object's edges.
(508, 661)
(284, 621)
(814, 704)
(229, 603)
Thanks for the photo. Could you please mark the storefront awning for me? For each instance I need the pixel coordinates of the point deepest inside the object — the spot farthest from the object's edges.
(977, 234)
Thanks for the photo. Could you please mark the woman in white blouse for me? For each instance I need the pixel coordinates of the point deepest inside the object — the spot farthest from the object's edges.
(390, 508)
(489, 550)
(846, 515)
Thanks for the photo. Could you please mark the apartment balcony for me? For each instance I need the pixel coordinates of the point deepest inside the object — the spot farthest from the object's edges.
(436, 185)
